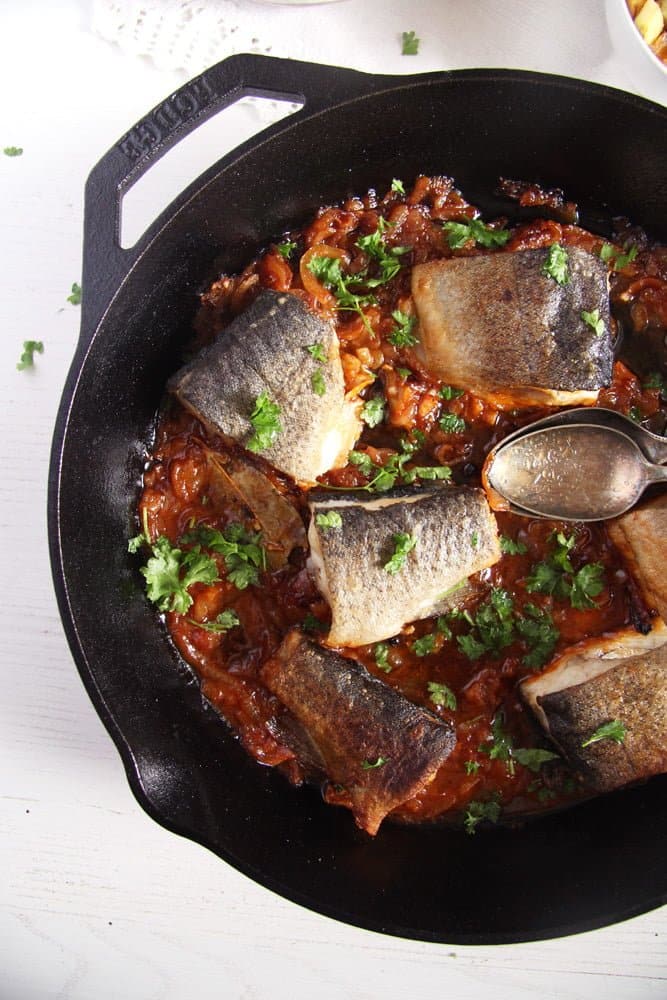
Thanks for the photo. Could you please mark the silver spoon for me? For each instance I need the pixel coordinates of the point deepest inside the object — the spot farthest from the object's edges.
(572, 472)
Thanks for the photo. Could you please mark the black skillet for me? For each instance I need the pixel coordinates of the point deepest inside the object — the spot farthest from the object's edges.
(589, 866)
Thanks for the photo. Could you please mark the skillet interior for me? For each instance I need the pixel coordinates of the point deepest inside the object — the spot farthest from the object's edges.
(592, 865)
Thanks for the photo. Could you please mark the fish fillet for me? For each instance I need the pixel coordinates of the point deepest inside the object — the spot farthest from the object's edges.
(349, 719)
(641, 536)
(620, 677)
(456, 535)
(265, 350)
(496, 324)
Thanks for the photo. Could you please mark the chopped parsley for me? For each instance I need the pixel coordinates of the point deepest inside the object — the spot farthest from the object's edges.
(381, 654)
(313, 624)
(511, 548)
(449, 392)
(372, 412)
(386, 258)
(286, 248)
(169, 573)
(242, 551)
(384, 477)
(460, 233)
(451, 424)
(533, 758)
(13, 151)
(397, 186)
(403, 544)
(609, 253)
(441, 694)
(135, 543)
(594, 320)
(222, 623)
(30, 348)
(405, 373)
(471, 766)
(402, 335)
(427, 472)
(367, 765)
(500, 746)
(328, 272)
(317, 351)
(556, 264)
(654, 380)
(474, 539)
(332, 519)
(442, 627)
(424, 646)
(539, 633)
(75, 296)
(318, 384)
(363, 462)
(493, 625)
(478, 811)
(635, 414)
(265, 423)
(556, 576)
(614, 730)
(409, 43)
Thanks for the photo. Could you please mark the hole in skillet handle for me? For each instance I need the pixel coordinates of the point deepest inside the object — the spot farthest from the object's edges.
(302, 88)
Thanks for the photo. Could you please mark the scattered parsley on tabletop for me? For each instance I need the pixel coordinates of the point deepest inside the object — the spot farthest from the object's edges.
(410, 43)
(30, 347)
(75, 296)
(13, 151)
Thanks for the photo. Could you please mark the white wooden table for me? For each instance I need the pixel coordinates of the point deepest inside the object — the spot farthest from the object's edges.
(96, 900)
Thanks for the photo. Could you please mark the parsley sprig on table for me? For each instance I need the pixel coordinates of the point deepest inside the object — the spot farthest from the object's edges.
(27, 359)
(556, 576)
(409, 43)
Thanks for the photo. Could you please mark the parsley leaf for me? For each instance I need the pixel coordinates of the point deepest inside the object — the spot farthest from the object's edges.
(451, 424)
(75, 297)
(511, 548)
(587, 583)
(242, 551)
(555, 265)
(478, 811)
(170, 571)
(614, 730)
(460, 233)
(539, 633)
(441, 694)
(427, 472)
(594, 320)
(332, 519)
(556, 576)
(381, 652)
(135, 543)
(317, 351)
(655, 381)
(397, 186)
(533, 758)
(471, 766)
(423, 646)
(410, 43)
(448, 392)
(386, 258)
(609, 253)
(403, 544)
(402, 335)
(318, 384)
(405, 373)
(30, 347)
(265, 423)
(222, 623)
(286, 248)
(363, 462)
(367, 765)
(313, 624)
(13, 151)
(372, 412)
(500, 747)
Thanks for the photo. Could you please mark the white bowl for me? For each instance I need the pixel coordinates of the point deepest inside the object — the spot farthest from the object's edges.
(648, 73)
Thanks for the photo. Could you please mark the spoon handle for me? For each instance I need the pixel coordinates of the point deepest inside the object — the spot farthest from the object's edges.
(656, 474)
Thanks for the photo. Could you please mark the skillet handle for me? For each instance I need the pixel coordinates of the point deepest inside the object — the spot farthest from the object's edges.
(105, 263)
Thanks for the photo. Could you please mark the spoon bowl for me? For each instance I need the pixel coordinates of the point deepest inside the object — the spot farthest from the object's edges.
(572, 472)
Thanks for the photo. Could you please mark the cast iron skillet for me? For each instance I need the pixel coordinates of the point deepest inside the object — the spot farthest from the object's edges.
(583, 868)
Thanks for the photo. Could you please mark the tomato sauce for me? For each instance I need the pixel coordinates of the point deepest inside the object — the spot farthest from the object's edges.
(178, 493)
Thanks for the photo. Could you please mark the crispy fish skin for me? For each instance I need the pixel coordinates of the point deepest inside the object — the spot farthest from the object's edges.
(620, 677)
(496, 324)
(351, 718)
(265, 350)
(641, 537)
(456, 535)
